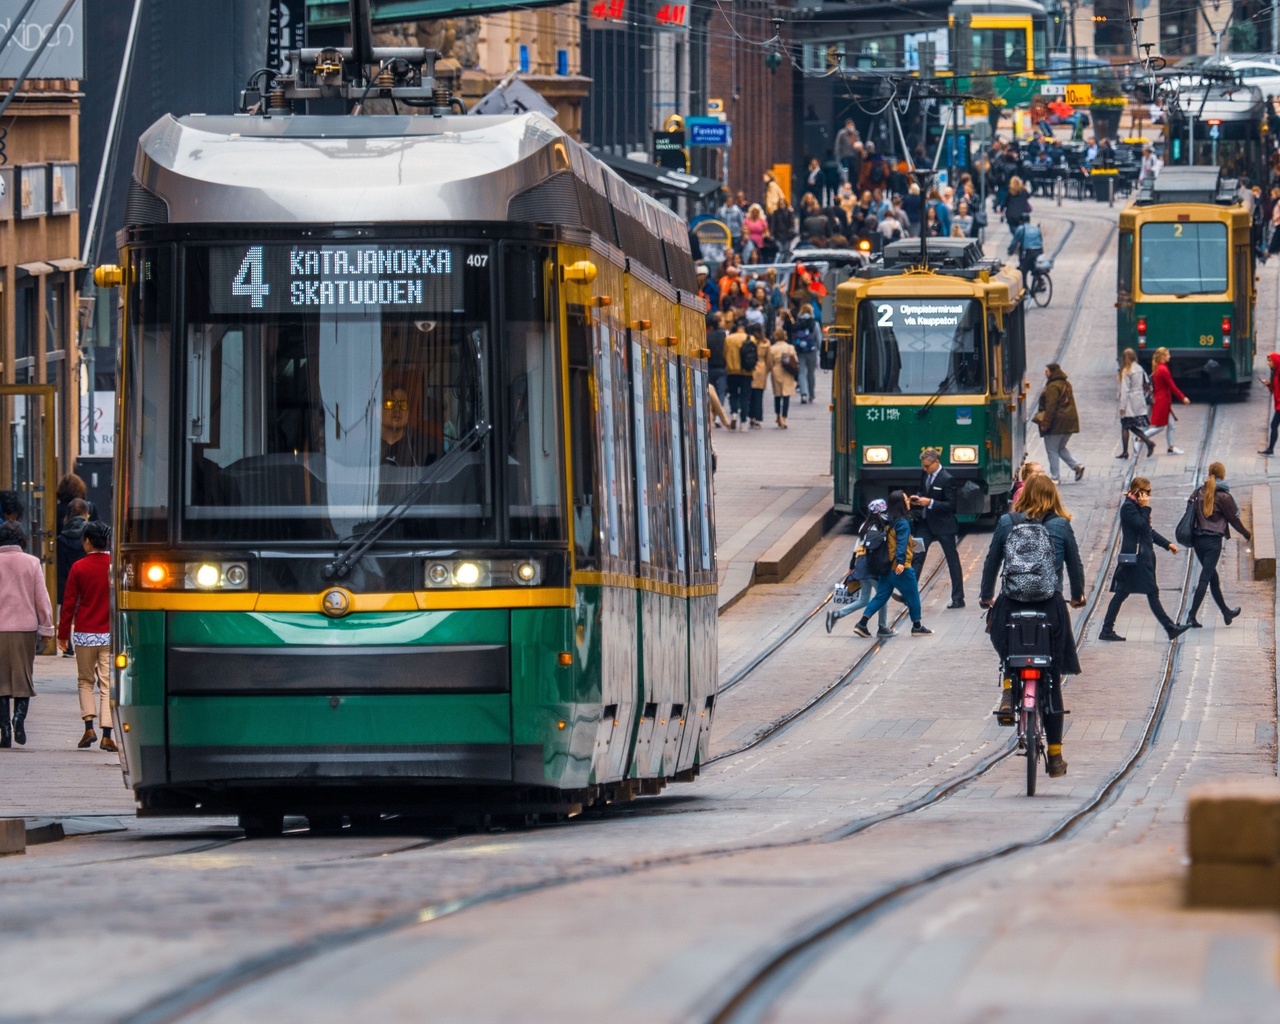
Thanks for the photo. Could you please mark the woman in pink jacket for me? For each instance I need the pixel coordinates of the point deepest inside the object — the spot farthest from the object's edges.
(26, 614)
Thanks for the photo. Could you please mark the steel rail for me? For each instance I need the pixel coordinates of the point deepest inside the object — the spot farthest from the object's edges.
(766, 983)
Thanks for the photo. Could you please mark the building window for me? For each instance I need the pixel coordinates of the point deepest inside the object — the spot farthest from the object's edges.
(55, 305)
(1178, 26)
(1111, 34)
(24, 320)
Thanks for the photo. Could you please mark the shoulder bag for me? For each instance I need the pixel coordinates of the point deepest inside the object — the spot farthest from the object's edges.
(1184, 532)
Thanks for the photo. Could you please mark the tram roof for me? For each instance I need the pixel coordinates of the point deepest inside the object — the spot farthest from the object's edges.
(1189, 185)
(392, 169)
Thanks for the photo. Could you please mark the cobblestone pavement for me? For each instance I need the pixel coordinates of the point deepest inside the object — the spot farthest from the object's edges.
(650, 913)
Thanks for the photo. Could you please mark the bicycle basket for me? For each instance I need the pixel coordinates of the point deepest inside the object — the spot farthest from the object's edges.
(1044, 263)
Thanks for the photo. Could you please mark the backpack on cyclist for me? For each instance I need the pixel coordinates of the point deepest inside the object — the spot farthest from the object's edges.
(1030, 571)
(876, 543)
(748, 355)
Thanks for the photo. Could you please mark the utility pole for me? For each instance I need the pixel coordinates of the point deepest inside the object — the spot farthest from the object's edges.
(1075, 69)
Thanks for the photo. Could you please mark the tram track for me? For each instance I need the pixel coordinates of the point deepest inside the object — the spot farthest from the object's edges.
(750, 998)
(222, 984)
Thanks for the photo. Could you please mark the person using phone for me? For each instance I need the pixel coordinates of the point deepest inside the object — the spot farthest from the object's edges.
(1136, 571)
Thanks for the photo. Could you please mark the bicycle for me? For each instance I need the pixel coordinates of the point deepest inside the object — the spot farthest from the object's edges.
(1028, 664)
(1041, 288)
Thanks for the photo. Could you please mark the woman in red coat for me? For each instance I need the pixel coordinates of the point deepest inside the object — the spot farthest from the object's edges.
(1164, 392)
(86, 622)
(1272, 384)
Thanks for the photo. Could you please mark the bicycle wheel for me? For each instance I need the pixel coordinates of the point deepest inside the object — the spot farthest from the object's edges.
(1033, 733)
(1042, 290)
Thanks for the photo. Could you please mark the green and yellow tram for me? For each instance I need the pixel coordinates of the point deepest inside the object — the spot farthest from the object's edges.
(1185, 277)
(414, 472)
(930, 357)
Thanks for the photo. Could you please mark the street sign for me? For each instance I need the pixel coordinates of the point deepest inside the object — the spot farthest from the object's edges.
(709, 131)
(975, 108)
(1049, 89)
(669, 151)
(715, 108)
(1079, 95)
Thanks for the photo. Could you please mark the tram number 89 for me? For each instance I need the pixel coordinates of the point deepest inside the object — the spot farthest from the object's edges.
(1208, 339)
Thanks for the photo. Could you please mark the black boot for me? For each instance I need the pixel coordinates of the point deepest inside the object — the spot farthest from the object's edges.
(6, 733)
(20, 705)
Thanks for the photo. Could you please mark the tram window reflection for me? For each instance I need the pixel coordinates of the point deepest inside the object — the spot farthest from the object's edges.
(920, 347)
(1183, 258)
(146, 413)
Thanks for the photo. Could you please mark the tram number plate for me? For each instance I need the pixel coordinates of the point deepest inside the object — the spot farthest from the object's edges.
(1208, 339)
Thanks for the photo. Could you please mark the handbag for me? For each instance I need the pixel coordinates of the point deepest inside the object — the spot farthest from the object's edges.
(1127, 558)
(1184, 532)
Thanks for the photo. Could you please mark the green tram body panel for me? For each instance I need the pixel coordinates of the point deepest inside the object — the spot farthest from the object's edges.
(986, 422)
(555, 726)
(1184, 272)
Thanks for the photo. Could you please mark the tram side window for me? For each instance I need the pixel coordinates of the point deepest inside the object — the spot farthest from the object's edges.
(1014, 349)
(614, 424)
(1124, 266)
(1184, 258)
(532, 449)
(1000, 49)
(587, 508)
(148, 391)
(697, 470)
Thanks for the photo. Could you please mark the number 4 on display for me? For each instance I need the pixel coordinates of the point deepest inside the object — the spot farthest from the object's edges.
(248, 279)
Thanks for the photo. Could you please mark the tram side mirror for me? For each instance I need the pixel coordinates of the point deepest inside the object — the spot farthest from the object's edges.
(108, 275)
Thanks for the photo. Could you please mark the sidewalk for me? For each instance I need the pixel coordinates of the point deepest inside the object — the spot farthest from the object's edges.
(773, 493)
(49, 776)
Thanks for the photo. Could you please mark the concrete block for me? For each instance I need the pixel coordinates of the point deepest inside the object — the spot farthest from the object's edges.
(13, 836)
(1235, 822)
(1264, 538)
(1236, 886)
(786, 552)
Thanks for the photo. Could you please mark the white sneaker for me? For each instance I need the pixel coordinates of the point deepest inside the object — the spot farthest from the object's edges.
(1176, 451)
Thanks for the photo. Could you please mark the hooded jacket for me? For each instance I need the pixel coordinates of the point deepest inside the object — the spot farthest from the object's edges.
(1273, 360)
(1058, 413)
(70, 550)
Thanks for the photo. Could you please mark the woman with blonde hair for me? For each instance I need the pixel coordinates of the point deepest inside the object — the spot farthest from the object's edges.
(1215, 514)
(1133, 404)
(756, 229)
(1018, 206)
(1163, 392)
(1039, 503)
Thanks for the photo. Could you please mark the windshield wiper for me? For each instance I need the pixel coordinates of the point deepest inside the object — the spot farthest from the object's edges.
(468, 443)
(923, 411)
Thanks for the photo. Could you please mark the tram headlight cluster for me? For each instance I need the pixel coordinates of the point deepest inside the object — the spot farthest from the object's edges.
(877, 454)
(963, 455)
(447, 573)
(159, 575)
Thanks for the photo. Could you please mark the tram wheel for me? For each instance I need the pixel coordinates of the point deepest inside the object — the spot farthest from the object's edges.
(262, 824)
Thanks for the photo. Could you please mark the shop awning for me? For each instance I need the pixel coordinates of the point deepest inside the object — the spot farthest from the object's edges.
(68, 265)
(36, 269)
(660, 181)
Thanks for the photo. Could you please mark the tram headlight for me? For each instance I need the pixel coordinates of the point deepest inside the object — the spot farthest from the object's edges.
(963, 454)
(466, 574)
(527, 573)
(471, 573)
(877, 454)
(155, 575)
(438, 574)
(216, 576)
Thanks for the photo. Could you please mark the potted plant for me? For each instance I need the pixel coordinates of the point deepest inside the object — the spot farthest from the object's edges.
(1106, 108)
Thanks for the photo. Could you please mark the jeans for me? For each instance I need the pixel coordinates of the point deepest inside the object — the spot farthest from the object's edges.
(719, 379)
(1208, 549)
(905, 584)
(808, 379)
(863, 598)
(781, 405)
(1055, 446)
(1168, 432)
(1275, 421)
(757, 405)
(739, 391)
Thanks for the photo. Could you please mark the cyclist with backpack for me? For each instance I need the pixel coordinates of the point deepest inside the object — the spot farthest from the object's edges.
(900, 576)
(807, 338)
(869, 562)
(1034, 543)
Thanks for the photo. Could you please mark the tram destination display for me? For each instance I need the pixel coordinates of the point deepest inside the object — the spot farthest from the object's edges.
(354, 279)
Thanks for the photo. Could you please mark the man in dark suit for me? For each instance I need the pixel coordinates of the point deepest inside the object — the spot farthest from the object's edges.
(937, 504)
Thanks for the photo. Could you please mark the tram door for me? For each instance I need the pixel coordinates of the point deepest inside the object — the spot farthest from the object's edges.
(843, 449)
(31, 467)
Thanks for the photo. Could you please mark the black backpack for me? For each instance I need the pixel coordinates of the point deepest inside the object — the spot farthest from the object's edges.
(1030, 569)
(804, 337)
(748, 355)
(876, 543)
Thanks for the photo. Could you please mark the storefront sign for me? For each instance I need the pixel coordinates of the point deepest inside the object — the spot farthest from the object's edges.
(63, 57)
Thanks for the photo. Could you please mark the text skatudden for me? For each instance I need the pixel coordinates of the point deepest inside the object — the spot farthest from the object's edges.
(364, 277)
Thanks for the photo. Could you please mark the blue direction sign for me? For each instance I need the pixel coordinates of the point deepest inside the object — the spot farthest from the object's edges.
(708, 131)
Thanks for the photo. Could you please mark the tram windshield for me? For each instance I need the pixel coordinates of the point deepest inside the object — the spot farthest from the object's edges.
(920, 347)
(1183, 258)
(322, 383)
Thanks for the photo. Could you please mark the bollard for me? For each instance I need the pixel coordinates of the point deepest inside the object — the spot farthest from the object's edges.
(13, 836)
(1111, 192)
